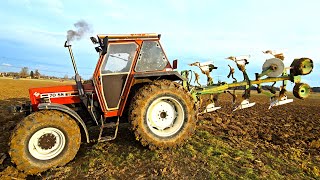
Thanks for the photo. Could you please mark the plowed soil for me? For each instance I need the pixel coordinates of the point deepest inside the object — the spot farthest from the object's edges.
(254, 143)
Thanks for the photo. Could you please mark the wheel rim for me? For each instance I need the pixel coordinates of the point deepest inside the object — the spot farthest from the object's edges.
(304, 90)
(165, 116)
(306, 66)
(46, 143)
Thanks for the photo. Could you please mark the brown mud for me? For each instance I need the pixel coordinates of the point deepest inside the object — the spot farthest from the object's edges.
(254, 143)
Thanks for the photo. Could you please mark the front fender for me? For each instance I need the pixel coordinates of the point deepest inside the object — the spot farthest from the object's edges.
(67, 110)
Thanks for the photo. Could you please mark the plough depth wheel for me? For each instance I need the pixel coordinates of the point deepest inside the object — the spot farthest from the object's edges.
(301, 90)
(302, 66)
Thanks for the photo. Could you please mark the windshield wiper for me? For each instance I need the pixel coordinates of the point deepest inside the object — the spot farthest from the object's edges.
(118, 57)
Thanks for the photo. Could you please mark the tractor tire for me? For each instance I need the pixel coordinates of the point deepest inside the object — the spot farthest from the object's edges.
(162, 114)
(43, 140)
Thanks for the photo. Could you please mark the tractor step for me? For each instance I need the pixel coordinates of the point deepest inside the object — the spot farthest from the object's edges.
(244, 104)
(283, 100)
(106, 138)
(108, 125)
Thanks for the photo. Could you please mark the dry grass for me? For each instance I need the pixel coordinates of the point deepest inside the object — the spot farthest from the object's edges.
(18, 88)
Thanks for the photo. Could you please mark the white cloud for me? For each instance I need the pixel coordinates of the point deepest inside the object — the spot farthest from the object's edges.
(34, 36)
(24, 3)
(53, 6)
(117, 15)
(46, 33)
(41, 67)
(56, 6)
(180, 6)
(6, 64)
(114, 4)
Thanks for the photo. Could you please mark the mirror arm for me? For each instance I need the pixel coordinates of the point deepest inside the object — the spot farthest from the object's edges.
(105, 45)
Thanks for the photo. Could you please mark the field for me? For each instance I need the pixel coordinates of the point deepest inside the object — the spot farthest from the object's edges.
(255, 143)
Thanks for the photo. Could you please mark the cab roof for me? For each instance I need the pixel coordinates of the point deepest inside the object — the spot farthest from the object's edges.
(143, 36)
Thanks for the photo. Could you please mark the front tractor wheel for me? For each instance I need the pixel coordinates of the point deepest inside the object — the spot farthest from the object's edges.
(43, 140)
(162, 114)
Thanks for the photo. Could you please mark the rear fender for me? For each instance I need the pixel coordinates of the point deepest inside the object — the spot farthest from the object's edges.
(67, 110)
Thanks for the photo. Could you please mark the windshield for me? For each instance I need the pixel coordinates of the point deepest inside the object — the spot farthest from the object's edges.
(119, 58)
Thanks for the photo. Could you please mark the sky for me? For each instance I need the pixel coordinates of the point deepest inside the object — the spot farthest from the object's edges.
(33, 32)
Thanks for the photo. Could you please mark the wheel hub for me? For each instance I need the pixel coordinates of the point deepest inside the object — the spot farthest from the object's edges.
(275, 64)
(274, 67)
(46, 143)
(165, 116)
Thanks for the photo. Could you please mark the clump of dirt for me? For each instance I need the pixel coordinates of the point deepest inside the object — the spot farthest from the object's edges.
(11, 173)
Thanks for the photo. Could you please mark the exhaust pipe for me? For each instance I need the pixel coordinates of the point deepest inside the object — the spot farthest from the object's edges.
(72, 57)
(77, 76)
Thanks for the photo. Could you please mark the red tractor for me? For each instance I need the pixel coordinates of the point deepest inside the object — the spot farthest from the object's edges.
(133, 76)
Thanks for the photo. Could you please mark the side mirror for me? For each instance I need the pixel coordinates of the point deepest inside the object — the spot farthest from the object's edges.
(94, 40)
(98, 49)
(175, 64)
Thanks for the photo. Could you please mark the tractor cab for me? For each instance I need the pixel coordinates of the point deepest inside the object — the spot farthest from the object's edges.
(123, 59)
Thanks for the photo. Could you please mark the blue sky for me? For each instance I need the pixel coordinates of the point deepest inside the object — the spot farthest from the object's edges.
(32, 32)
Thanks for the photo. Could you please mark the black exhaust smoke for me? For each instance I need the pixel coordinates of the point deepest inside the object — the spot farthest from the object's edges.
(82, 28)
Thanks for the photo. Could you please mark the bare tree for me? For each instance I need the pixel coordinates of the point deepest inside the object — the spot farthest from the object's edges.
(24, 72)
(36, 74)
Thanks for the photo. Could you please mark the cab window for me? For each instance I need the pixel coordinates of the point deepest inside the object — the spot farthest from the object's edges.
(151, 57)
(119, 58)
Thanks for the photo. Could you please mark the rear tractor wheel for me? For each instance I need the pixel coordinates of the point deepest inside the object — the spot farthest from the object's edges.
(43, 140)
(162, 114)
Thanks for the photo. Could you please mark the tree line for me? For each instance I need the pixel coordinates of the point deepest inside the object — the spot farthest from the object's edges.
(26, 73)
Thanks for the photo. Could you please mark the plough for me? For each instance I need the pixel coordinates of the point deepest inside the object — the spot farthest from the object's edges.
(273, 71)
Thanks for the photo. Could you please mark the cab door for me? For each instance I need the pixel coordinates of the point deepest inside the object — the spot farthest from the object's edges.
(114, 72)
